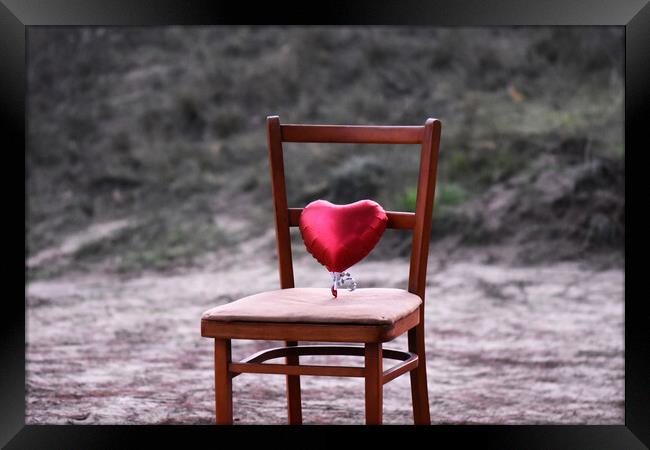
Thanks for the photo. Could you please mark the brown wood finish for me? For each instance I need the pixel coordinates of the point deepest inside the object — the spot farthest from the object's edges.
(419, 257)
(424, 207)
(222, 381)
(252, 364)
(283, 241)
(314, 350)
(374, 383)
(396, 220)
(413, 361)
(294, 402)
(327, 371)
(399, 369)
(278, 189)
(279, 331)
(353, 134)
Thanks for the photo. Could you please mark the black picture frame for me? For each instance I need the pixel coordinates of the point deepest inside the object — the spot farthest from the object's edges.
(17, 15)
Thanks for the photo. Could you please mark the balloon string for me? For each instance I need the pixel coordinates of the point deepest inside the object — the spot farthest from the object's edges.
(339, 279)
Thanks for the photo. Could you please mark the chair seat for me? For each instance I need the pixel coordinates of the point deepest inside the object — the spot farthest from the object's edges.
(369, 306)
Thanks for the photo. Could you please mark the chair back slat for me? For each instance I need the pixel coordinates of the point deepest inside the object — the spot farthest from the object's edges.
(428, 136)
(396, 220)
(351, 134)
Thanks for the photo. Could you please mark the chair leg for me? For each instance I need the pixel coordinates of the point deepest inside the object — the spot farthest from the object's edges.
(222, 382)
(419, 390)
(374, 383)
(293, 390)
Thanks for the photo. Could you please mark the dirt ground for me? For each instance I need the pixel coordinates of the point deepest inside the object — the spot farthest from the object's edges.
(505, 345)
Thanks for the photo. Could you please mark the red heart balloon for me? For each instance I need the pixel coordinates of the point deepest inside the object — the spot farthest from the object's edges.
(339, 236)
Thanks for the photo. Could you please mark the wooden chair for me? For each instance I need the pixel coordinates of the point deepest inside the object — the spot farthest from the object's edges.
(226, 326)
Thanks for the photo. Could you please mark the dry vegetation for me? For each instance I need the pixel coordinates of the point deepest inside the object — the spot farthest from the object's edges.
(165, 127)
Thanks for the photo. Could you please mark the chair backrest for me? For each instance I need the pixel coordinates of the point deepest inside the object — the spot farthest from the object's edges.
(427, 135)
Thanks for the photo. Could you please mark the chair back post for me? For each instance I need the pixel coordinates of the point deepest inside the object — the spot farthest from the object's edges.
(424, 207)
(278, 187)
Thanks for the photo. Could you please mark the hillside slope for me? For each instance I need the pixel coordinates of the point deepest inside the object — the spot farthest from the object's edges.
(163, 129)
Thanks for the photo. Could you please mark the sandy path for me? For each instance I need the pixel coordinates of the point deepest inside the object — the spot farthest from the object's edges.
(505, 345)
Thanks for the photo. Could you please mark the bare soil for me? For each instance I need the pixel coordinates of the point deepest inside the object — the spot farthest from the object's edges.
(505, 345)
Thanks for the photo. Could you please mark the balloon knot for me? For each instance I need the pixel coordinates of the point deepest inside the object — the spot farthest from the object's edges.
(339, 279)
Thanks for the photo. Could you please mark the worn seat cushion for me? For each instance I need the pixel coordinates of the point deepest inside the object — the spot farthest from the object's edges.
(370, 306)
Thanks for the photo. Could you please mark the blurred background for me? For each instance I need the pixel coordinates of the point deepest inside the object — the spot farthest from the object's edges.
(164, 127)
(146, 160)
